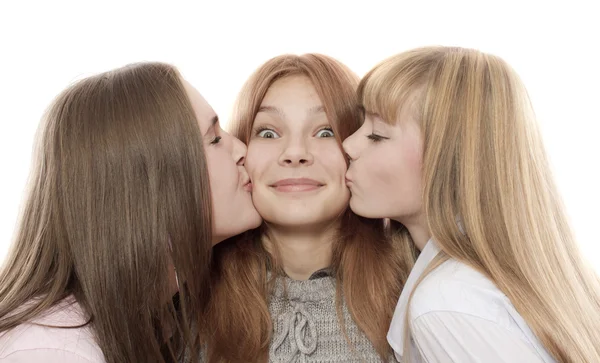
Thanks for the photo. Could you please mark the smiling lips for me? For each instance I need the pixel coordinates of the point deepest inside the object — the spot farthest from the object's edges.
(296, 185)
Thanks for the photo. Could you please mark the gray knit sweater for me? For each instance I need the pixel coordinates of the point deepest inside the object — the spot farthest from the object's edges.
(306, 328)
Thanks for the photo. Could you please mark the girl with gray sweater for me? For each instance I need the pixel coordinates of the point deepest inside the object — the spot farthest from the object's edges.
(315, 283)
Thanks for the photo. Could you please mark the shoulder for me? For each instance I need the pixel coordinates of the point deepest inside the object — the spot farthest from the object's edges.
(49, 336)
(458, 288)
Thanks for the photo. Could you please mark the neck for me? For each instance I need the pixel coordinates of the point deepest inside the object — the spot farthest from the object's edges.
(302, 251)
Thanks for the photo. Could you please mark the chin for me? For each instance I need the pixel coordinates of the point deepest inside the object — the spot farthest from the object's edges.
(246, 224)
(255, 221)
(248, 221)
(359, 208)
(301, 218)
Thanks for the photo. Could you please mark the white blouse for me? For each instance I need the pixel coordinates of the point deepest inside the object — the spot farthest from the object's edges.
(458, 315)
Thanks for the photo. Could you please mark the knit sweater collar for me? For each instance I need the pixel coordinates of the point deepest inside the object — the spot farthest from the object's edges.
(319, 286)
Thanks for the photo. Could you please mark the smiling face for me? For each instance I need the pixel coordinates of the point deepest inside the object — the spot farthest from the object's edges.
(295, 163)
(233, 211)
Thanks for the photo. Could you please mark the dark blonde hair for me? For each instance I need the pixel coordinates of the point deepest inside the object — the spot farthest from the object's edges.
(484, 163)
(366, 263)
(119, 194)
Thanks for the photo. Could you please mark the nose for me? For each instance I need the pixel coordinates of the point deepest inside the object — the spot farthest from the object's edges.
(296, 154)
(350, 147)
(238, 151)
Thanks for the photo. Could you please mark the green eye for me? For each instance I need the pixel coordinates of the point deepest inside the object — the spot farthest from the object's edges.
(326, 132)
(267, 134)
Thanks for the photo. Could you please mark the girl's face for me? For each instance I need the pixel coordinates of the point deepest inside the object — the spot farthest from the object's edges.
(295, 163)
(385, 176)
(233, 211)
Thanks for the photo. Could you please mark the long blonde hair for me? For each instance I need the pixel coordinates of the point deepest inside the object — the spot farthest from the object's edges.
(367, 265)
(119, 172)
(484, 161)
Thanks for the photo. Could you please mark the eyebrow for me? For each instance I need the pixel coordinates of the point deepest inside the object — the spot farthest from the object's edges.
(270, 109)
(317, 109)
(213, 122)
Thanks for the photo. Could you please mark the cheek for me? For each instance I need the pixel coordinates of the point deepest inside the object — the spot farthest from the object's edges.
(254, 160)
(389, 168)
(406, 165)
(412, 155)
(222, 173)
(383, 172)
(214, 172)
(260, 159)
(333, 160)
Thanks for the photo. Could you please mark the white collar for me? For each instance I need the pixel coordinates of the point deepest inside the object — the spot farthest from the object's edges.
(396, 333)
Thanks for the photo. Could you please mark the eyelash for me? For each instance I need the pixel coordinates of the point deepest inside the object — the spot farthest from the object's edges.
(216, 140)
(376, 138)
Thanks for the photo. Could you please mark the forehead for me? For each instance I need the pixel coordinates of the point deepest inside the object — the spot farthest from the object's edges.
(292, 89)
(204, 112)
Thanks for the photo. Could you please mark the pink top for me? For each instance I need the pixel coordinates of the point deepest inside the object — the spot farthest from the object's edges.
(33, 343)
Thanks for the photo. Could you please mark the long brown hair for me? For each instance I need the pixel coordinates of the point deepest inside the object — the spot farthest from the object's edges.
(484, 163)
(366, 263)
(119, 195)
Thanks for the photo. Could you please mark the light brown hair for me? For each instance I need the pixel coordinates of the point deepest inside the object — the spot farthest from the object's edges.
(365, 262)
(484, 165)
(119, 195)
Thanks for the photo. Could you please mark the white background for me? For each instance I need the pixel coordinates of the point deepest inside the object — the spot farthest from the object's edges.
(46, 45)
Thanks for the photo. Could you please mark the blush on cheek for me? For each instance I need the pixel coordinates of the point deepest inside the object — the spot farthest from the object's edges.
(414, 160)
(412, 172)
(413, 146)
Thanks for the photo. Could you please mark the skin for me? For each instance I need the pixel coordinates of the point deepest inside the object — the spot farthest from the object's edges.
(233, 211)
(385, 173)
(297, 170)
